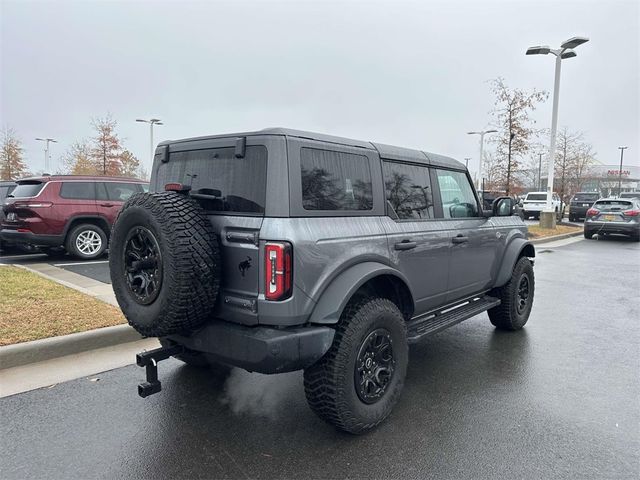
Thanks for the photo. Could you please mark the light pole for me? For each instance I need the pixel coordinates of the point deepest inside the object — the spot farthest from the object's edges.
(565, 51)
(46, 151)
(539, 171)
(151, 122)
(482, 133)
(622, 149)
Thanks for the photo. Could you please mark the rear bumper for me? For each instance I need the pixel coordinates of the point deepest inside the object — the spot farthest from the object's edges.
(612, 227)
(30, 238)
(260, 349)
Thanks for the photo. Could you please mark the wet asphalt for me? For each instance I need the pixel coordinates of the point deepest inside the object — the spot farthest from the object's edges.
(559, 399)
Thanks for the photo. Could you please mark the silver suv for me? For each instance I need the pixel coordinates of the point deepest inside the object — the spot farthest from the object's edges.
(282, 250)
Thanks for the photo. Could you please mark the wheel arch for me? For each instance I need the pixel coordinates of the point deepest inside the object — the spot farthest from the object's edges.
(96, 220)
(367, 278)
(517, 248)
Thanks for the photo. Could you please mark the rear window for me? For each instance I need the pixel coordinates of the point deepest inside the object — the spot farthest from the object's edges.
(613, 205)
(5, 190)
(27, 189)
(335, 180)
(537, 196)
(585, 197)
(78, 190)
(225, 183)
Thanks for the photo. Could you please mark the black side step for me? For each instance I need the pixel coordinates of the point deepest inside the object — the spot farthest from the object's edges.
(431, 323)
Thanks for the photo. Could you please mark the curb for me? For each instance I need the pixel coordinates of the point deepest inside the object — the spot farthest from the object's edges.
(48, 348)
(555, 237)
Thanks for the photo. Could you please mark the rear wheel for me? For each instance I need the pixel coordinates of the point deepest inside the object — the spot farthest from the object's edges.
(356, 384)
(516, 298)
(86, 241)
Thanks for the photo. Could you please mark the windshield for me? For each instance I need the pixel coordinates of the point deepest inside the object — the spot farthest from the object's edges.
(585, 197)
(537, 196)
(617, 205)
(220, 180)
(26, 189)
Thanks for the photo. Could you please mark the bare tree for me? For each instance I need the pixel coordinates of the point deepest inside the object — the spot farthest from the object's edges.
(574, 157)
(106, 147)
(12, 164)
(512, 117)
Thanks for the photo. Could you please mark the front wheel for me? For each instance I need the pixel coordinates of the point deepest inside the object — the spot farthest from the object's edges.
(359, 380)
(516, 298)
(588, 235)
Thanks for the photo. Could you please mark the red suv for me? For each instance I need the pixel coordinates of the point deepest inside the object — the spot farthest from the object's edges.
(70, 212)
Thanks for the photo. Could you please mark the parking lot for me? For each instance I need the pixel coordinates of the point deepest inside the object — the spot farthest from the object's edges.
(557, 399)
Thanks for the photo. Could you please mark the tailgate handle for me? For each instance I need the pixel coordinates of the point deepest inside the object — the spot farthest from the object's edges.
(239, 237)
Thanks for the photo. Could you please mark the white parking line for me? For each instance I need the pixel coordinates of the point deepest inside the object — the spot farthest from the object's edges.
(26, 255)
(79, 263)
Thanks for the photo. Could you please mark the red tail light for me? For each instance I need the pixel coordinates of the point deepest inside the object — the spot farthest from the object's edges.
(278, 271)
(592, 211)
(176, 187)
(631, 213)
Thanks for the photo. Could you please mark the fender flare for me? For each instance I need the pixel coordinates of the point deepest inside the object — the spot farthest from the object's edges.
(518, 247)
(334, 298)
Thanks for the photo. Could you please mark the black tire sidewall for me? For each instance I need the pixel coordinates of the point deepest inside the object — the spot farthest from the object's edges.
(522, 268)
(145, 315)
(73, 234)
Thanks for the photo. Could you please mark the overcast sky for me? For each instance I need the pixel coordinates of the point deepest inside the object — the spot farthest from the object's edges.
(410, 74)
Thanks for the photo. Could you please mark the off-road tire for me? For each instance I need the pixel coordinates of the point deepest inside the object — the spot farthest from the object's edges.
(190, 258)
(588, 235)
(507, 315)
(72, 248)
(330, 383)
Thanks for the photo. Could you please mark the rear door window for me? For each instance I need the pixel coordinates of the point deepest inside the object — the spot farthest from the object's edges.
(333, 180)
(26, 189)
(456, 194)
(78, 190)
(220, 180)
(120, 192)
(408, 191)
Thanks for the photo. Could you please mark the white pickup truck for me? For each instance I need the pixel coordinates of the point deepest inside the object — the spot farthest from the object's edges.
(534, 202)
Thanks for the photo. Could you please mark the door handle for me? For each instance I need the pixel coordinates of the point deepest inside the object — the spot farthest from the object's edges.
(405, 245)
(460, 239)
(107, 204)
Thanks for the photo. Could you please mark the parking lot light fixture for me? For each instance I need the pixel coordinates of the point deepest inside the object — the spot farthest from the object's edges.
(46, 151)
(482, 133)
(565, 51)
(151, 122)
(622, 149)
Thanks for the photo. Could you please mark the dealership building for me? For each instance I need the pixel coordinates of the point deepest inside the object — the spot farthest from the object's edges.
(604, 179)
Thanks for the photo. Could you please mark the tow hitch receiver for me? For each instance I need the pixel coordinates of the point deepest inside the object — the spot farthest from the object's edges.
(150, 360)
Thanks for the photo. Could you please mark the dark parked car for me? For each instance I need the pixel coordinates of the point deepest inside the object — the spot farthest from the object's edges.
(613, 215)
(282, 250)
(72, 213)
(5, 189)
(580, 203)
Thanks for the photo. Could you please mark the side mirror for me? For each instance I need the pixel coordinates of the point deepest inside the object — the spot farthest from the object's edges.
(502, 207)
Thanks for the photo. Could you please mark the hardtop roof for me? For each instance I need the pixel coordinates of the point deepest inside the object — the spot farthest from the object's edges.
(389, 152)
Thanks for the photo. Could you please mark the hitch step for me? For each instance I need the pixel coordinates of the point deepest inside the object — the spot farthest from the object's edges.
(150, 360)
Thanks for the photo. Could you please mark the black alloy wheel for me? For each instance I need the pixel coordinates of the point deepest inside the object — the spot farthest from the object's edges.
(143, 265)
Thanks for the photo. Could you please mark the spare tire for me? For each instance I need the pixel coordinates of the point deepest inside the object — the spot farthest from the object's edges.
(164, 261)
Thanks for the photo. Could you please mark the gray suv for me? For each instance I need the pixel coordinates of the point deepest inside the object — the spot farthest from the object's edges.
(282, 250)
